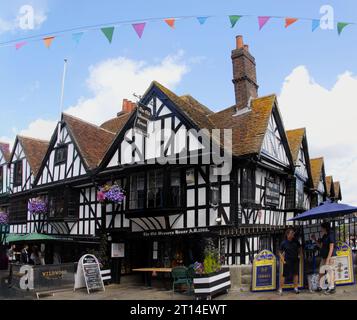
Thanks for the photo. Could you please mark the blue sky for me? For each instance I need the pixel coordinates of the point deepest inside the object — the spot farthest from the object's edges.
(30, 78)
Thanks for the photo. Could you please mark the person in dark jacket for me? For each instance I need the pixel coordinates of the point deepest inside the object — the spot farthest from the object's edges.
(290, 249)
(25, 257)
(327, 254)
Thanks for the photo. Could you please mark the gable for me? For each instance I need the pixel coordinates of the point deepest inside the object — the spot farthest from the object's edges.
(301, 165)
(168, 134)
(71, 167)
(27, 178)
(273, 146)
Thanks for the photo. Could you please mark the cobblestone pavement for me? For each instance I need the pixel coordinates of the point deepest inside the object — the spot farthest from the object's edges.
(138, 292)
(117, 292)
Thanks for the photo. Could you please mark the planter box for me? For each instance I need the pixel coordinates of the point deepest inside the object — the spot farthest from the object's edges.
(210, 285)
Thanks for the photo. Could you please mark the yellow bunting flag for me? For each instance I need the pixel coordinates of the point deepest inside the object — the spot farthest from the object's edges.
(48, 41)
(171, 23)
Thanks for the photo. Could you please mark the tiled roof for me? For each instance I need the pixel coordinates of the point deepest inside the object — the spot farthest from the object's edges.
(196, 104)
(35, 150)
(337, 187)
(330, 186)
(5, 148)
(91, 140)
(116, 124)
(295, 140)
(248, 129)
(316, 170)
(193, 109)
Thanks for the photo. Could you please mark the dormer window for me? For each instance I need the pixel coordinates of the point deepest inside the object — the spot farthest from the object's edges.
(18, 174)
(61, 155)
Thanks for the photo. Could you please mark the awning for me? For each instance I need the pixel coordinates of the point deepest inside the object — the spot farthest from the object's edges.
(326, 210)
(11, 238)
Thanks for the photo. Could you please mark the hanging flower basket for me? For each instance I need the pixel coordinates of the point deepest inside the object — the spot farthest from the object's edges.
(4, 218)
(37, 206)
(111, 193)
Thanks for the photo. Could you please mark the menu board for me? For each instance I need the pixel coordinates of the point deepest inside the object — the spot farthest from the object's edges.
(89, 270)
(264, 272)
(343, 264)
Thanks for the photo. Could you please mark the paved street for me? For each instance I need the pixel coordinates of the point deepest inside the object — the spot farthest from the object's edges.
(138, 292)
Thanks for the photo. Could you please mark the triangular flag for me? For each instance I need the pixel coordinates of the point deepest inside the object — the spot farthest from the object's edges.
(202, 20)
(171, 23)
(48, 41)
(139, 28)
(20, 45)
(262, 21)
(290, 21)
(315, 24)
(341, 26)
(77, 37)
(234, 20)
(108, 32)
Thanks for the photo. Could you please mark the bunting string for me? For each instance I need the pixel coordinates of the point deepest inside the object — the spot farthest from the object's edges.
(108, 29)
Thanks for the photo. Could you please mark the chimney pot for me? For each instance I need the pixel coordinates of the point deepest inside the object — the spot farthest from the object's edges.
(128, 106)
(240, 43)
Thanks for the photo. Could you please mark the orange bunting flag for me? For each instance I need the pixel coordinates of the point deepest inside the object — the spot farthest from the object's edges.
(171, 23)
(290, 21)
(48, 41)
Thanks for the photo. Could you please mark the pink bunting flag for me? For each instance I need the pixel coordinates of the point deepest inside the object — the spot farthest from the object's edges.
(139, 28)
(263, 21)
(19, 45)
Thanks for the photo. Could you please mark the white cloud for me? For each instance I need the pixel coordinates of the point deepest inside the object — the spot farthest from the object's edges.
(110, 82)
(330, 117)
(113, 80)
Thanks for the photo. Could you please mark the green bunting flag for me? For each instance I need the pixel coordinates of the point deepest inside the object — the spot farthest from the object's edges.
(108, 32)
(341, 26)
(234, 20)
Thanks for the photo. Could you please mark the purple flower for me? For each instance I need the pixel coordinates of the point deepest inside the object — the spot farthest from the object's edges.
(4, 218)
(111, 193)
(37, 206)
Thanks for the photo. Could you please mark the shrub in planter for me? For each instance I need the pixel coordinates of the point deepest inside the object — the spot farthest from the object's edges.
(210, 278)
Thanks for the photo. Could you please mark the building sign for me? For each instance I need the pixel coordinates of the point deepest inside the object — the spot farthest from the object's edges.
(142, 118)
(88, 274)
(289, 282)
(175, 232)
(43, 278)
(264, 272)
(272, 193)
(118, 250)
(343, 264)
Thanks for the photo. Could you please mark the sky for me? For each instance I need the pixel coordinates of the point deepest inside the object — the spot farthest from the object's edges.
(314, 74)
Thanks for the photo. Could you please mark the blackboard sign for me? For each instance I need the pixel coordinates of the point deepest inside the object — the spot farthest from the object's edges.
(89, 270)
(272, 193)
(142, 119)
(264, 272)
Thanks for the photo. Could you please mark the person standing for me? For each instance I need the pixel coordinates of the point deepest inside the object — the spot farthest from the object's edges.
(290, 249)
(35, 256)
(25, 258)
(327, 254)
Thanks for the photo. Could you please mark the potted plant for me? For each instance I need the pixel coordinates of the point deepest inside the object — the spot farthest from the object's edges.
(211, 279)
(111, 193)
(37, 206)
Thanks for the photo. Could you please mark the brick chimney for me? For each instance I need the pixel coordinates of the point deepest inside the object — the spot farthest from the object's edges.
(244, 74)
(128, 106)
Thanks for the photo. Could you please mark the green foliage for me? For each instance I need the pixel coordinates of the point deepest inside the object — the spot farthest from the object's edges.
(102, 252)
(211, 262)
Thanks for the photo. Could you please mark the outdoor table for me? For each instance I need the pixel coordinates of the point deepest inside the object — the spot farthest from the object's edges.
(148, 274)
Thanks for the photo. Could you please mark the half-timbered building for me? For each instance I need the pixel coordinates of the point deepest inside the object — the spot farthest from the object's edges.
(4, 176)
(319, 181)
(301, 184)
(330, 188)
(338, 193)
(25, 161)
